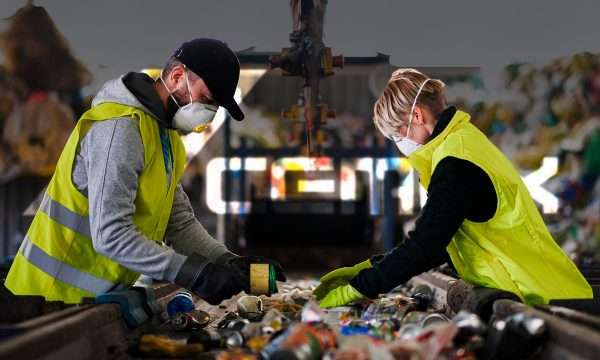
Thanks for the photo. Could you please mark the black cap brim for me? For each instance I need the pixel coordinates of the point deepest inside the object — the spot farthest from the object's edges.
(234, 109)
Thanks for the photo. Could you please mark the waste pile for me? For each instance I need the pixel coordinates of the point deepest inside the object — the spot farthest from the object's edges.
(291, 325)
(40, 100)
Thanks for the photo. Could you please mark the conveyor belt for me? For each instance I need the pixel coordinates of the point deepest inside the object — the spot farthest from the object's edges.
(98, 331)
(80, 332)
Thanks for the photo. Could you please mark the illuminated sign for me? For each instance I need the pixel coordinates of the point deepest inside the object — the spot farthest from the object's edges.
(409, 194)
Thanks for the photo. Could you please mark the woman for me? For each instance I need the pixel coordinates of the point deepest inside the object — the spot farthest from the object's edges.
(479, 215)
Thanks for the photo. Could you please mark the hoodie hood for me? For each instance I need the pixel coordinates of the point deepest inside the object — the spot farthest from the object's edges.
(115, 91)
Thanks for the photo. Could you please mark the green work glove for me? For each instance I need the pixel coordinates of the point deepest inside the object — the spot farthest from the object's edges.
(339, 277)
(340, 296)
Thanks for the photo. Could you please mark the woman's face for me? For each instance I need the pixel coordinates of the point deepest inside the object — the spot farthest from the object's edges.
(423, 123)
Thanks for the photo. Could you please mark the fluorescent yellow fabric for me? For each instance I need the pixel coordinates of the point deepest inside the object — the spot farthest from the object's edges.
(512, 251)
(71, 247)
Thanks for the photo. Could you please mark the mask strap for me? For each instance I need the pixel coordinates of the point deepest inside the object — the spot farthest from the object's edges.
(169, 90)
(412, 109)
(187, 82)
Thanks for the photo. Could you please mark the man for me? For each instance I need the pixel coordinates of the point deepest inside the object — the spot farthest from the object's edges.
(479, 216)
(115, 202)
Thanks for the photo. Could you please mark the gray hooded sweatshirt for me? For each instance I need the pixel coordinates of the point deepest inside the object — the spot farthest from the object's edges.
(109, 160)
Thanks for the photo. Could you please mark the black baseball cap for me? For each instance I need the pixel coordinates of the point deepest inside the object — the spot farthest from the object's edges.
(218, 66)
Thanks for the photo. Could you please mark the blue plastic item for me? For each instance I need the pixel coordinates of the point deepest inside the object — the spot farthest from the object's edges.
(182, 302)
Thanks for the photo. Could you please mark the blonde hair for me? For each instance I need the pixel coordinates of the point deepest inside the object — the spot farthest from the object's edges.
(392, 108)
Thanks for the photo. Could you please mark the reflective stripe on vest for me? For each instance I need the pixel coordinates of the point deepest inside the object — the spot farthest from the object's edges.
(65, 272)
(61, 228)
(67, 218)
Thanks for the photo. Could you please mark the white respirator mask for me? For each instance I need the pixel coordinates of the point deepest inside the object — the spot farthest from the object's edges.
(405, 144)
(193, 117)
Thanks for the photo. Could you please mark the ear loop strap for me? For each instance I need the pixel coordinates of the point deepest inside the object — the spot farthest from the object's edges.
(166, 87)
(169, 90)
(412, 110)
(187, 82)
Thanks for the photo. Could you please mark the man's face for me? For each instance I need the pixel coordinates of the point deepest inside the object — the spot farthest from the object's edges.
(197, 88)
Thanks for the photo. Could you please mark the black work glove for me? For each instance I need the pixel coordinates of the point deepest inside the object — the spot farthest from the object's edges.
(212, 282)
(242, 264)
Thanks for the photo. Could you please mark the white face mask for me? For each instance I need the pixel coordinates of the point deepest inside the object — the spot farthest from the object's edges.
(193, 117)
(405, 144)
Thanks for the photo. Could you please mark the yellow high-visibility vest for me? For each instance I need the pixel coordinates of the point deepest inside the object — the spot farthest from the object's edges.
(57, 259)
(514, 250)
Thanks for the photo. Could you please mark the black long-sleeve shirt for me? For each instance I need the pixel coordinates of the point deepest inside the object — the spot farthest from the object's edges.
(458, 190)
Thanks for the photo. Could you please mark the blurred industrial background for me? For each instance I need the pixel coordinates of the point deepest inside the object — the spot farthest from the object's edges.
(543, 105)
(529, 74)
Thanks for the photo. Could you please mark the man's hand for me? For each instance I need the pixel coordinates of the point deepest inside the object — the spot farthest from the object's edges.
(339, 277)
(217, 283)
(212, 282)
(340, 296)
(242, 264)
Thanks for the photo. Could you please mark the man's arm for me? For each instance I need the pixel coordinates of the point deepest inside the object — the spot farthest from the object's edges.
(113, 155)
(186, 234)
(451, 196)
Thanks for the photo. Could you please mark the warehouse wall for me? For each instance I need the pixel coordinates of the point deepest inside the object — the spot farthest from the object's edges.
(113, 37)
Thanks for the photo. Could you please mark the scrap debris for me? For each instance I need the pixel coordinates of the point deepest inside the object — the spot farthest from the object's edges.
(291, 325)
